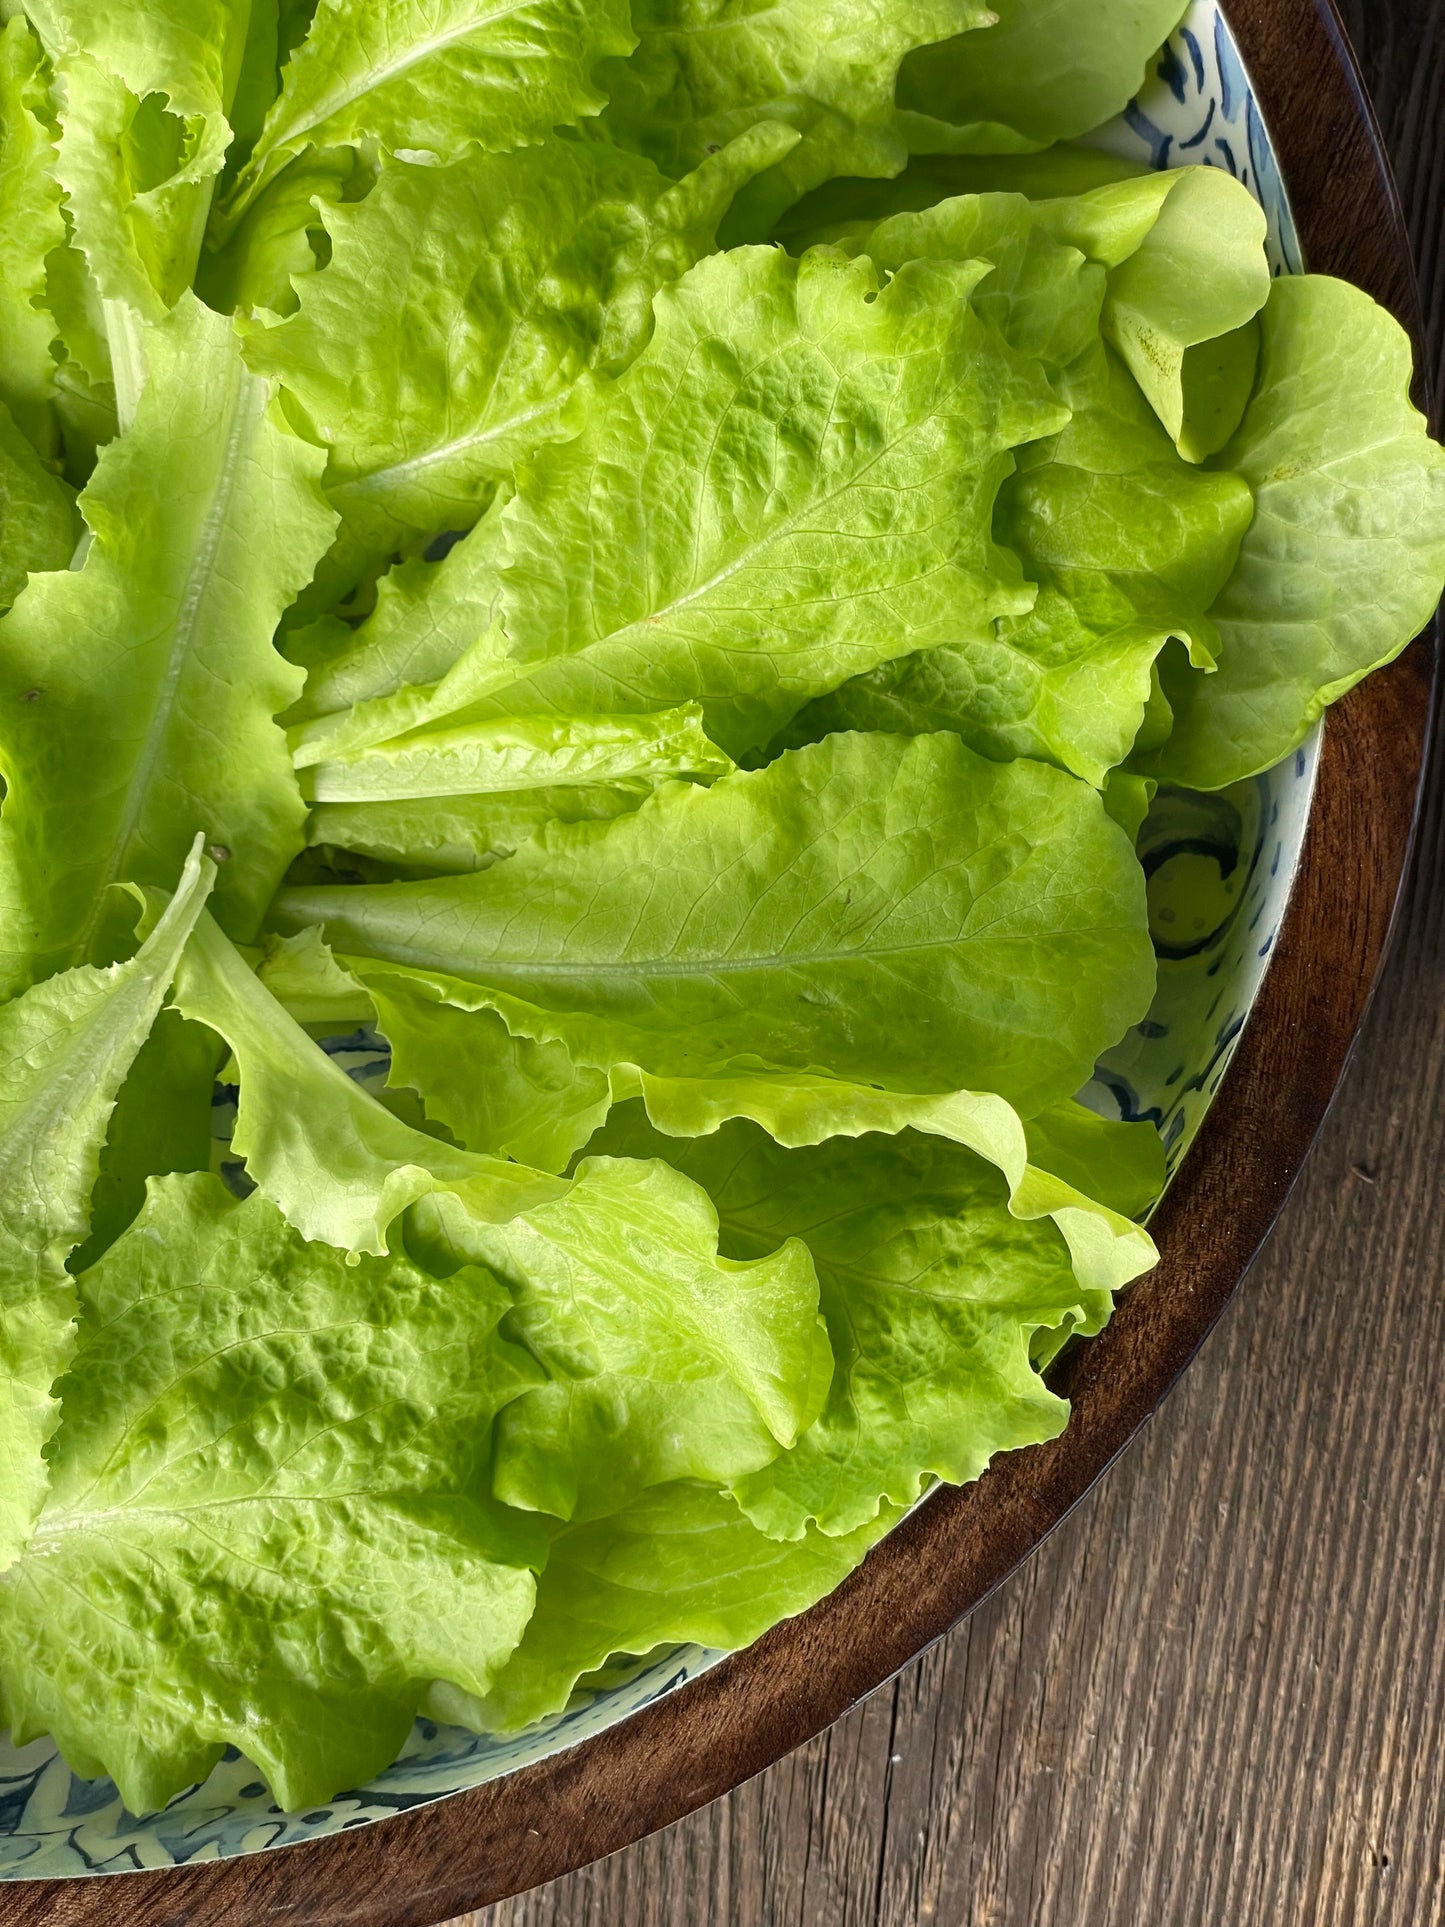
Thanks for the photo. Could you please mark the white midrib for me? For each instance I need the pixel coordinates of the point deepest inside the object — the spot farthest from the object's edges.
(100, 1519)
(499, 971)
(248, 400)
(378, 480)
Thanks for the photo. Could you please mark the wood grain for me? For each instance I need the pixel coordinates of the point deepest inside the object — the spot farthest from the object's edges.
(1217, 1694)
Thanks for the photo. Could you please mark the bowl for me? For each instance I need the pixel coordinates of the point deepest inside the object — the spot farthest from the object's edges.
(1271, 907)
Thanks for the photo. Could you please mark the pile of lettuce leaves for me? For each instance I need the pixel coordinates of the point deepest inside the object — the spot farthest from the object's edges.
(654, 560)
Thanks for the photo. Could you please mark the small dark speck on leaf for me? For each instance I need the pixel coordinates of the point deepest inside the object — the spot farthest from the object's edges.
(218, 853)
(714, 147)
(1362, 1172)
(31, 696)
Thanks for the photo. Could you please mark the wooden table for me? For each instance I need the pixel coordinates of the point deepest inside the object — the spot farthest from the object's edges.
(1217, 1696)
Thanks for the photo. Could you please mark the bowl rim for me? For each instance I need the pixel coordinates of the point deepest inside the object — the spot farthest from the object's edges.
(699, 1742)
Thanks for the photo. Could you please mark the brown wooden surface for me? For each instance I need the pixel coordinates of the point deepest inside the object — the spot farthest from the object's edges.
(1079, 1729)
(1218, 1694)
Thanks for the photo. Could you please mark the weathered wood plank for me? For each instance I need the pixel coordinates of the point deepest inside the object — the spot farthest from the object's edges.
(1218, 1694)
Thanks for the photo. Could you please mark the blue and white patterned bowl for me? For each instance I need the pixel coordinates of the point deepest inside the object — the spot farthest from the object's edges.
(1221, 869)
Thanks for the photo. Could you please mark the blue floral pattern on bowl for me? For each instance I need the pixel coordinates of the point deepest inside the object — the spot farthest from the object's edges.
(1220, 873)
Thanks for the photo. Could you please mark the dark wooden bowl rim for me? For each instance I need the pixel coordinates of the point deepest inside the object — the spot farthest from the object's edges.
(673, 1757)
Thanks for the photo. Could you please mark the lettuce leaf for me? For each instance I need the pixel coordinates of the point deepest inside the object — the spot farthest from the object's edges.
(794, 481)
(566, 244)
(162, 1123)
(518, 1096)
(432, 78)
(1044, 296)
(454, 835)
(31, 225)
(38, 522)
(267, 1523)
(85, 395)
(855, 204)
(783, 917)
(1345, 559)
(341, 1168)
(660, 1365)
(427, 617)
(703, 71)
(281, 237)
(662, 1359)
(258, 76)
(521, 753)
(143, 92)
(1049, 70)
(539, 1097)
(1188, 275)
(156, 654)
(681, 1564)
(932, 1290)
(1129, 544)
(65, 1049)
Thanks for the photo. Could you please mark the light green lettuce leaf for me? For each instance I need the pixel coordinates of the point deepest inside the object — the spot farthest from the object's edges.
(428, 616)
(85, 397)
(1345, 560)
(65, 1049)
(794, 481)
(1188, 275)
(782, 918)
(31, 225)
(678, 1566)
(1129, 798)
(1044, 296)
(484, 665)
(452, 836)
(162, 1122)
(258, 78)
(704, 70)
(663, 1360)
(340, 1166)
(137, 191)
(857, 532)
(521, 753)
(157, 656)
(853, 204)
(282, 237)
(932, 1291)
(432, 78)
(267, 1524)
(1130, 545)
(1049, 70)
(1054, 1167)
(519, 1083)
(38, 522)
(188, 50)
(144, 93)
(516, 1096)
(1120, 1166)
(504, 277)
